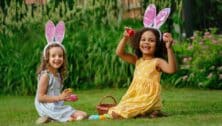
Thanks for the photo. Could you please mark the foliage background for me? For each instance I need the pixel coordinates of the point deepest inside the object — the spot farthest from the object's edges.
(92, 33)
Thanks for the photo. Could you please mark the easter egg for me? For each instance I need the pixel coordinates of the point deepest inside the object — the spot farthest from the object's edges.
(102, 117)
(73, 97)
(70, 89)
(94, 117)
(130, 32)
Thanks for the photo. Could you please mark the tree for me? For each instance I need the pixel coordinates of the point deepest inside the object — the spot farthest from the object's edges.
(187, 17)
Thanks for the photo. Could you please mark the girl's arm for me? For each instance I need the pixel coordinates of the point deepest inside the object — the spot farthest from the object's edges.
(170, 66)
(120, 50)
(42, 91)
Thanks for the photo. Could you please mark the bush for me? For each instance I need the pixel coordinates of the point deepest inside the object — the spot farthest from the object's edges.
(91, 37)
(200, 61)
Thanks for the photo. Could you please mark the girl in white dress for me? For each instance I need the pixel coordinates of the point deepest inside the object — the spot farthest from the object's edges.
(49, 102)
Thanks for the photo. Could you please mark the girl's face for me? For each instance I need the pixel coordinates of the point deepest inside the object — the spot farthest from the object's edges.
(56, 58)
(147, 43)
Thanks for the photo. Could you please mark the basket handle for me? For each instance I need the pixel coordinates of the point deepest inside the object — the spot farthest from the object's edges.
(108, 96)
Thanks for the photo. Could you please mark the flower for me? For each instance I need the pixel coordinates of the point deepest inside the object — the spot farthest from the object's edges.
(184, 77)
(190, 47)
(200, 84)
(192, 38)
(214, 41)
(219, 68)
(212, 67)
(207, 35)
(210, 75)
(220, 76)
(185, 60)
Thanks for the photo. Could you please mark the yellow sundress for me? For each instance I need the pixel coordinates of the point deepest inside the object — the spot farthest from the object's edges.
(143, 95)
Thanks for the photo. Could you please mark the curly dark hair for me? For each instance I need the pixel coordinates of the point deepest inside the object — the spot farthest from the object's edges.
(160, 46)
(45, 62)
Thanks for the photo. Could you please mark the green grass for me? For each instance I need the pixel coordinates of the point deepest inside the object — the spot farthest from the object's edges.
(185, 106)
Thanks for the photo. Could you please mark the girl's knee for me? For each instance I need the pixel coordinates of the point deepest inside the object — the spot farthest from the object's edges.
(82, 113)
(79, 115)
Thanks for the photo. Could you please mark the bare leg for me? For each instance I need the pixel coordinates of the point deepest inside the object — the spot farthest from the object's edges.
(78, 115)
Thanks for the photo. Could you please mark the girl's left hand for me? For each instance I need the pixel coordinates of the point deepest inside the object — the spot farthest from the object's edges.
(167, 38)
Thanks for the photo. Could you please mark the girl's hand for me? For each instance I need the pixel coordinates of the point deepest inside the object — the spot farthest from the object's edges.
(65, 94)
(167, 38)
(128, 32)
(72, 97)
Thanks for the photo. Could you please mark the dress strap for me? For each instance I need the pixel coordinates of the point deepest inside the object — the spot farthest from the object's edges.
(49, 76)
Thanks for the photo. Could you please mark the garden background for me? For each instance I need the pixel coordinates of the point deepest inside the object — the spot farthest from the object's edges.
(93, 30)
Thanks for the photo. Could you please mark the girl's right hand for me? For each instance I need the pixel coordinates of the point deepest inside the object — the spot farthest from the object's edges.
(65, 94)
(128, 32)
(72, 98)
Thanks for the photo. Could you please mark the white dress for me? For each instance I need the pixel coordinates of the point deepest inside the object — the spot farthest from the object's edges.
(57, 110)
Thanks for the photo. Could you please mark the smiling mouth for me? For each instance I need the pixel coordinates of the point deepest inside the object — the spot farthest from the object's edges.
(147, 47)
(57, 63)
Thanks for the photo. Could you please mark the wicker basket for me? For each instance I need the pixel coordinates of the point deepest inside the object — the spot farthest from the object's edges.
(103, 108)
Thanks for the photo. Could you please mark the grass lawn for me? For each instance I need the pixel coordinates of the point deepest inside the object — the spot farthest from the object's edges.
(185, 106)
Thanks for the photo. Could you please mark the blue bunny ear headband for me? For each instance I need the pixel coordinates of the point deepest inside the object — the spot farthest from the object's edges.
(151, 20)
(54, 34)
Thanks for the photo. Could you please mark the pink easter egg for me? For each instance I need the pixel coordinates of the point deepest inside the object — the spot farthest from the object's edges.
(73, 97)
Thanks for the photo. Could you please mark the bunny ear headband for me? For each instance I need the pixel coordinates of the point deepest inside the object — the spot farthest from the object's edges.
(150, 20)
(54, 34)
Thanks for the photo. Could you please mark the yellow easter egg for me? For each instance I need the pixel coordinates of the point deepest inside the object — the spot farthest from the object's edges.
(70, 89)
(102, 117)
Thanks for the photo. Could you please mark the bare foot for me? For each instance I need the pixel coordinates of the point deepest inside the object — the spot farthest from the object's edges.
(157, 113)
(116, 116)
(43, 119)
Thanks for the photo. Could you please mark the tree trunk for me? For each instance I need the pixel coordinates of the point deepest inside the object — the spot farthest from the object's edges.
(187, 15)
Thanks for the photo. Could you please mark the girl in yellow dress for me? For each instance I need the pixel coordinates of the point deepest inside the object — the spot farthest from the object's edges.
(143, 95)
(151, 48)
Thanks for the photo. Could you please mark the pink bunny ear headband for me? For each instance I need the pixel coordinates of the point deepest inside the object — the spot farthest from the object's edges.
(54, 34)
(150, 20)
